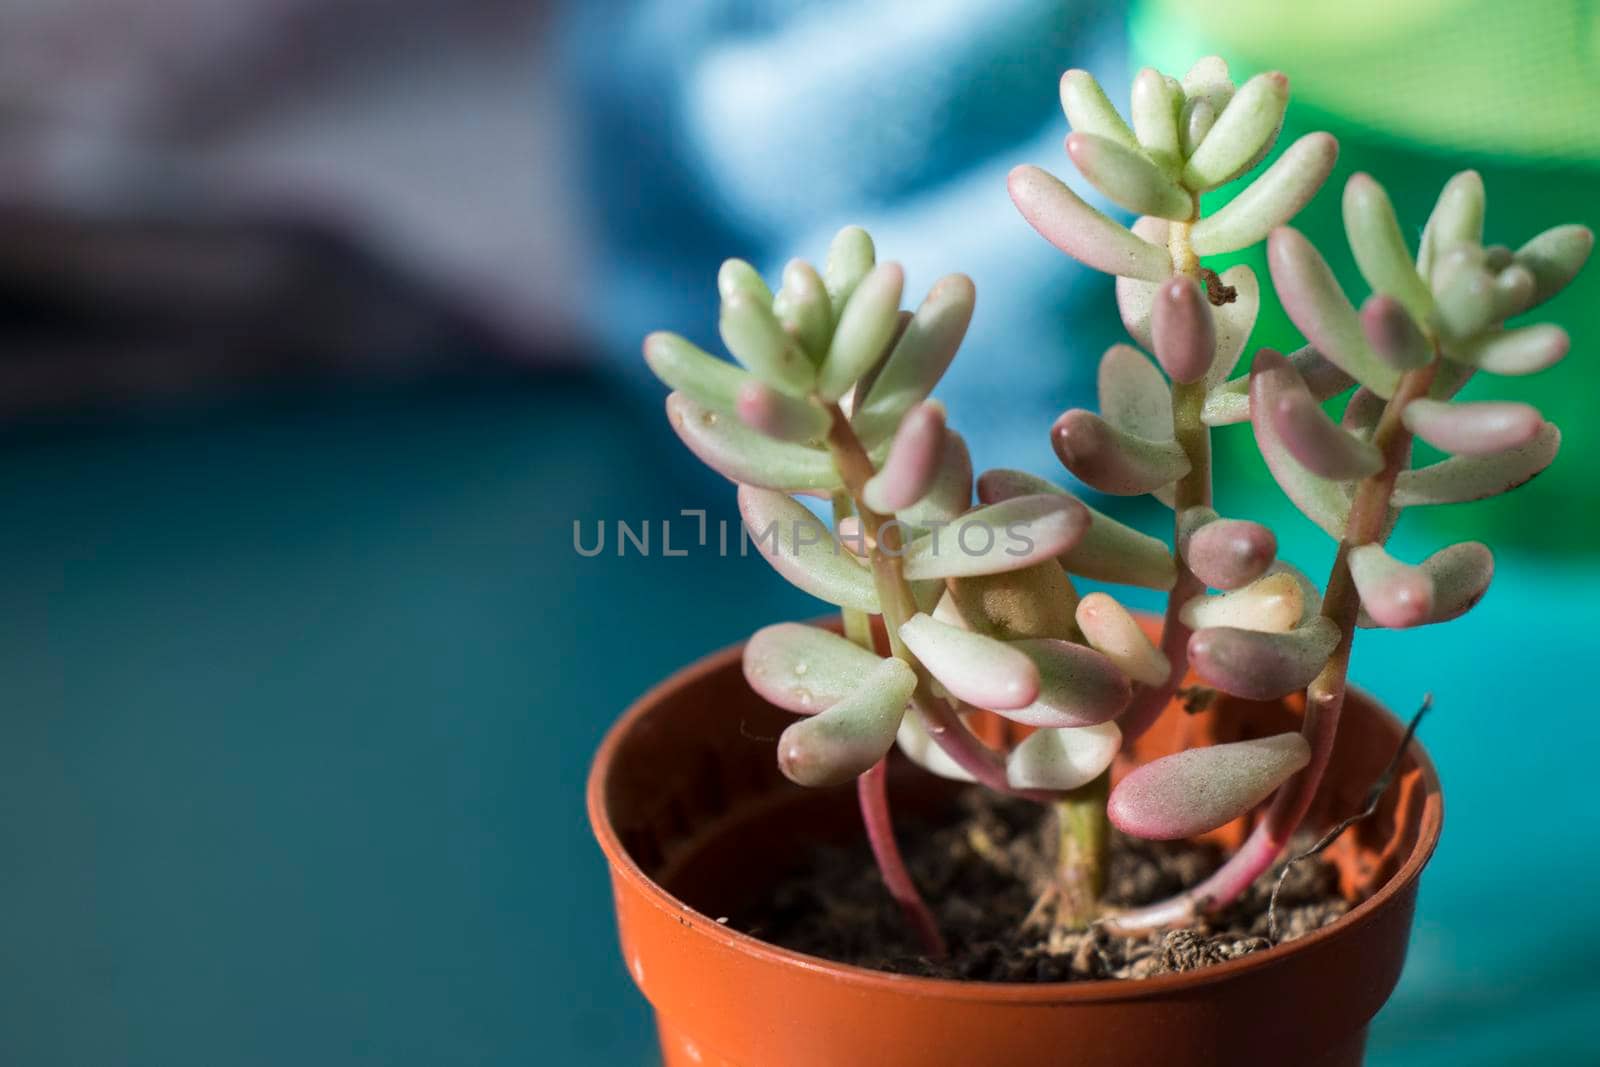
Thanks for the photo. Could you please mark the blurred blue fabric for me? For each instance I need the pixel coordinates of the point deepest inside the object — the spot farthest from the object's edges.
(717, 129)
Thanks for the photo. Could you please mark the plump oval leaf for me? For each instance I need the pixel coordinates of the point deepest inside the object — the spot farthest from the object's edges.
(1457, 219)
(1155, 117)
(1465, 302)
(1182, 331)
(711, 382)
(850, 256)
(1113, 461)
(1209, 80)
(998, 538)
(836, 745)
(1271, 200)
(1229, 402)
(1394, 594)
(1082, 232)
(1554, 258)
(1135, 297)
(1113, 632)
(1460, 575)
(1089, 110)
(1481, 429)
(977, 669)
(803, 308)
(758, 340)
(1063, 759)
(742, 455)
(1313, 299)
(804, 669)
(1225, 553)
(737, 276)
(1262, 666)
(1194, 122)
(1526, 350)
(1272, 604)
(804, 551)
(949, 495)
(1323, 501)
(919, 359)
(1463, 478)
(1380, 247)
(920, 747)
(1242, 134)
(1078, 686)
(913, 464)
(1133, 395)
(1109, 551)
(1321, 445)
(778, 415)
(866, 326)
(1200, 789)
(1393, 333)
(1128, 177)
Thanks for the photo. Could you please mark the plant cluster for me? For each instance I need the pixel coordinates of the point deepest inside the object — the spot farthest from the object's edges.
(830, 399)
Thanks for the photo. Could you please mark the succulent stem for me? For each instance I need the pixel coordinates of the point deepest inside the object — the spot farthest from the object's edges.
(1368, 524)
(872, 791)
(1083, 841)
(1192, 490)
(872, 794)
(897, 603)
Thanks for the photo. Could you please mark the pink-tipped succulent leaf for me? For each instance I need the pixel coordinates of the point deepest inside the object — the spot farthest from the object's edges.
(1313, 299)
(803, 550)
(919, 359)
(1322, 500)
(1463, 478)
(913, 464)
(866, 325)
(1225, 553)
(1182, 331)
(1062, 218)
(972, 667)
(1321, 445)
(1078, 686)
(1200, 789)
(803, 669)
(740, 454)
(778, 415)
(1063, 759)
(1480, 429)
(998, 538)
(1257, 665)
(1128, 177)
(1112, 460)
(837, 745)
(1113, 632)
(1394, 594)
(1109, 551)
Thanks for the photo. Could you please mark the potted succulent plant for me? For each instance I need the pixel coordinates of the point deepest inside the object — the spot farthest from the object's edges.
(1079, 731)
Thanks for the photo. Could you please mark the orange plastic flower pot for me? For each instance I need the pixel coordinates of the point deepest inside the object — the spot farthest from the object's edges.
(694, 818)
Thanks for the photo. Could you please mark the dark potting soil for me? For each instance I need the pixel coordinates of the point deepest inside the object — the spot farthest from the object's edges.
(983, 873)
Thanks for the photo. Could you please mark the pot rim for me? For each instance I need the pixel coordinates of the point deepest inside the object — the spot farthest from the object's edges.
(1019, 993)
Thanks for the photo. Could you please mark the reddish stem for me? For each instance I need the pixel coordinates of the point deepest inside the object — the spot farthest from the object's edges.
(872, 789)
(1192, 490)
(1368, 523)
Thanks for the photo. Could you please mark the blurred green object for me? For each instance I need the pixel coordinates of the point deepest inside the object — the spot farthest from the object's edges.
(1403, 85)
